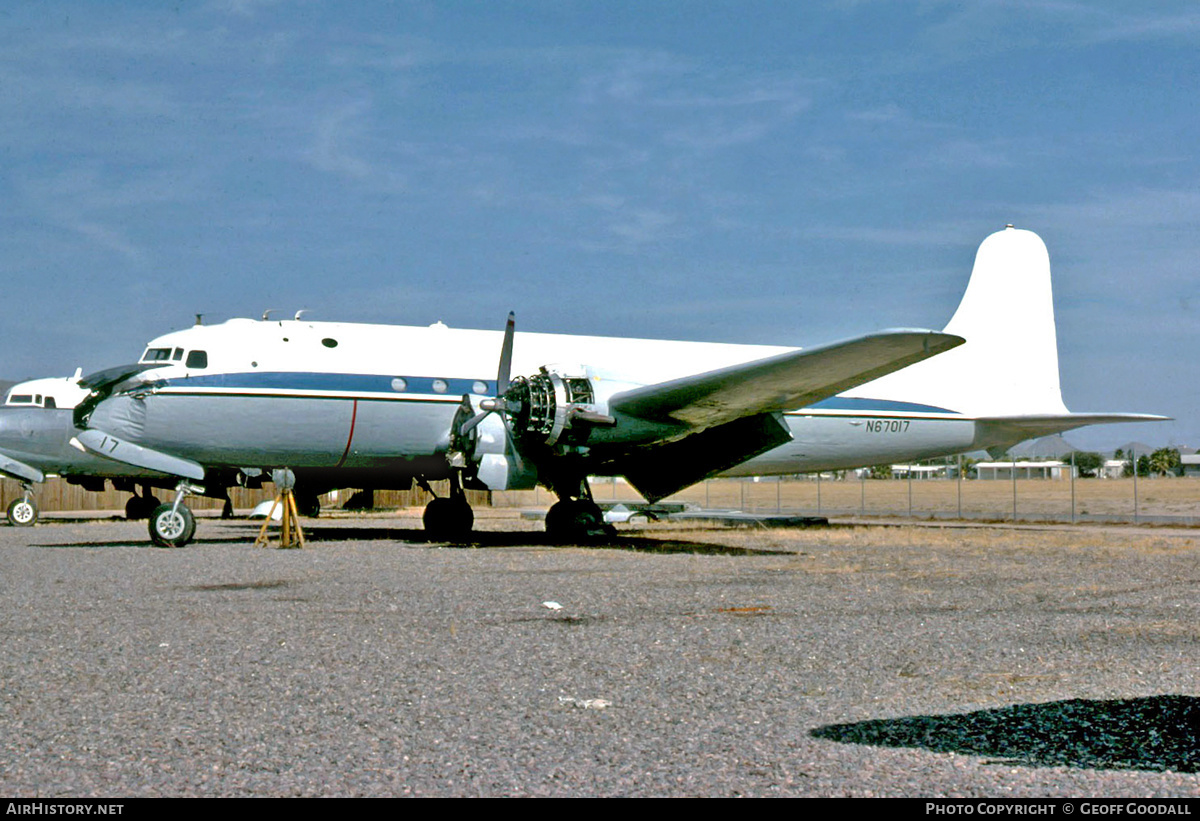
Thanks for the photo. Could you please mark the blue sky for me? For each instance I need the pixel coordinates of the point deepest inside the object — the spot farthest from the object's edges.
(776, 172)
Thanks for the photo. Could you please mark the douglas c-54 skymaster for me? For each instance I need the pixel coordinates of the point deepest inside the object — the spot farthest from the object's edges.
(381, 406)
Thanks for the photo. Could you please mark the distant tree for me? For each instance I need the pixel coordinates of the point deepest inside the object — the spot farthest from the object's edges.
(1119, 453)
(1088, 463)
(881, 472)
(1143, 465)
(1163, 461)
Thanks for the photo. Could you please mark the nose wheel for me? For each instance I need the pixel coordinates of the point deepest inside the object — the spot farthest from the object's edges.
(23, 512)
(173, 525)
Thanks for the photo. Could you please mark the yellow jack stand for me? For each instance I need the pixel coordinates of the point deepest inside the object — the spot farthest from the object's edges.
(290, 534)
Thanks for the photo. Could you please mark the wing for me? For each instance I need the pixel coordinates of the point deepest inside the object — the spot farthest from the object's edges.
(784, 382)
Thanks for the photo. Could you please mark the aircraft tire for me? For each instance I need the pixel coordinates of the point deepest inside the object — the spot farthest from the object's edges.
(309, 506)
(447, 518)
(22, 513)
(140, 507)
(571, 519)
(171, 528)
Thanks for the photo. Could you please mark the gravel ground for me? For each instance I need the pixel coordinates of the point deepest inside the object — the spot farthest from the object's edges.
(833, 662)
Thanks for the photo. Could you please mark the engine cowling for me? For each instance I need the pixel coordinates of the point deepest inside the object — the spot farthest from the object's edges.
(546, 409)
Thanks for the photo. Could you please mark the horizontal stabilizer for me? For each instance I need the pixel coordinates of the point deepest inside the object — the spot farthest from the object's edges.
(20, 470)
(998, 433)
(103, 444)
(791, 380)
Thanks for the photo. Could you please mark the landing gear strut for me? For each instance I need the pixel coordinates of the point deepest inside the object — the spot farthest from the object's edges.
(448, 517)
(23, 512)
(174, 525)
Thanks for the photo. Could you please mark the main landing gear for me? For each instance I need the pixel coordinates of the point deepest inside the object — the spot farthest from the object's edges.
(576, 516)
(448, 518)
(140, 507)
(23, 512)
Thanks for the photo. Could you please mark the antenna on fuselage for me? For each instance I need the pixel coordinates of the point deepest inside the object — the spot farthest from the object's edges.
(199, 319)
(267, 313)
(300, 313)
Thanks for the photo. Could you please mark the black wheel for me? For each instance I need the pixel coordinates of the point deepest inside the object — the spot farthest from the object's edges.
(309, 506)
(140, 507)
(170, 527)
(576, 519)
(22, 512)
(447, 518)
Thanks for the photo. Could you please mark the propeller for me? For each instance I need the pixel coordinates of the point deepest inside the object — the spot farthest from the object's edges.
(543, 407)
(496, 404)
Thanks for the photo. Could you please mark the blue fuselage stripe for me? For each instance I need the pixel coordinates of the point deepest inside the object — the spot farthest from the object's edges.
(339, 382)
(388, 386)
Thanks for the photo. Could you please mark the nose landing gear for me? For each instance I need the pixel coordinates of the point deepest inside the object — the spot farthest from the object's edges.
(173, 525)
(23, 512)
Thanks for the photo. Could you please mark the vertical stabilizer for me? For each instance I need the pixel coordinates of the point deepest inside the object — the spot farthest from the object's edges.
(1009, 363)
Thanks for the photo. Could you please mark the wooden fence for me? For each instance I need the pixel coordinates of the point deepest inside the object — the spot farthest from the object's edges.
(56, 495)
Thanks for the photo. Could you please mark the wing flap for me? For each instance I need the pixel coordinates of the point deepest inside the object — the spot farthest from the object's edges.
(787, 381)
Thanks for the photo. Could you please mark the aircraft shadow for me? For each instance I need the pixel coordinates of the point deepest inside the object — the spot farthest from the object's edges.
(145, 542)
(484, 539)
(481, 539)
(1156, 733)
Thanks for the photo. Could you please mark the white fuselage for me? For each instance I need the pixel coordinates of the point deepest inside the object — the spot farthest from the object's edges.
(315, 394)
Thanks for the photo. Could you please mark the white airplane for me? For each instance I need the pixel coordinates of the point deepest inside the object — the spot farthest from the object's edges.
(36, 432)
(382, 406)
(36, 427)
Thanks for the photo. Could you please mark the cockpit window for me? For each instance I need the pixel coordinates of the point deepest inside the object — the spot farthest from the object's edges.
(197, 359)
(35, 399)
(156, 355)
(178, 354)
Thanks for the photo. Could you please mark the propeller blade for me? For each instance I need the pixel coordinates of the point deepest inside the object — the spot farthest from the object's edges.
(512, 448)
(506, 348)
(472, 423)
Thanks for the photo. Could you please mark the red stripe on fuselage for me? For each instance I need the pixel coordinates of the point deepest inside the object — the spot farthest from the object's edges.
(350, 438)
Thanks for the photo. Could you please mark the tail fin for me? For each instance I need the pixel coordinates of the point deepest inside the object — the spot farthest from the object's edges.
(1009, 363)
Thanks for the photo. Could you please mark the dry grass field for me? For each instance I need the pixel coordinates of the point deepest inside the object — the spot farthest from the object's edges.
(1162, 496)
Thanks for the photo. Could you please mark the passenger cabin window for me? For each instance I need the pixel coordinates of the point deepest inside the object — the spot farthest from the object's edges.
(156, 355)
(197, 359)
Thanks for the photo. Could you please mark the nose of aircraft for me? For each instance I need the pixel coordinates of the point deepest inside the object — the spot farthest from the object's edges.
(34, 430)
(10, 426)
(18, 444)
